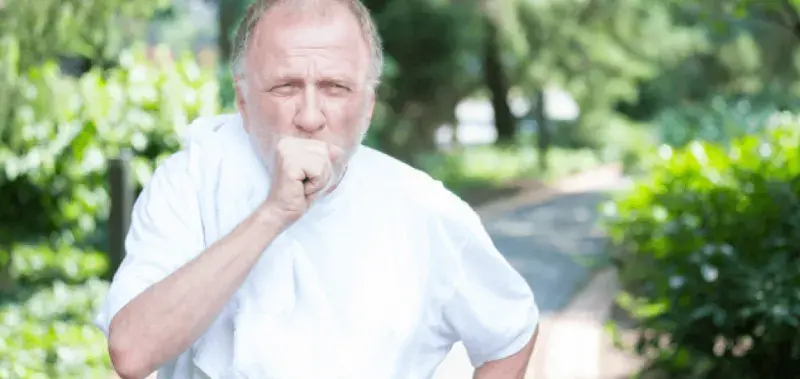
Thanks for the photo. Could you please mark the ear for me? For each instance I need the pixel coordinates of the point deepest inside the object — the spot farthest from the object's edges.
(371, 102)
(370, 107)
(241, 100)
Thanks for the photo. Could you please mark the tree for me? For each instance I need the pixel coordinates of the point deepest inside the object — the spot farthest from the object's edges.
(597, 51)
(433, 60)
(33, 34)
(784, 14)
(497, 83)
(749, 50)
(95, 30)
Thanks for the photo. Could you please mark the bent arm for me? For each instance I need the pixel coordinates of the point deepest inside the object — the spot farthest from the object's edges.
(492, 310)
(164, 320)
(513, 367)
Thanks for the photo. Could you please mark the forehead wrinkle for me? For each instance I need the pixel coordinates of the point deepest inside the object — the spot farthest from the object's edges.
(301, 15)
(313, 73)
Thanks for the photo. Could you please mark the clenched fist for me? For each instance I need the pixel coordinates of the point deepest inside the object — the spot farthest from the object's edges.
(303, 170)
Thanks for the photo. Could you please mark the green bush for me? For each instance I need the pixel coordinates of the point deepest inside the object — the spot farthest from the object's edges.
(37, 265)
(46, 328)
(50, 334)
(708, 247)
(627, 142)
(59, 133)
(719, 120)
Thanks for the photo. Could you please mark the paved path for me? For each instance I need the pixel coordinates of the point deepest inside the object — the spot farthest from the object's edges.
(544, 237)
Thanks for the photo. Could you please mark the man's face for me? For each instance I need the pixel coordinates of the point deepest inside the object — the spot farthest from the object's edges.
(306, 75)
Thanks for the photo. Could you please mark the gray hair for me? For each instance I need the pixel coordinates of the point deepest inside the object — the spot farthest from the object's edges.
(257, 10)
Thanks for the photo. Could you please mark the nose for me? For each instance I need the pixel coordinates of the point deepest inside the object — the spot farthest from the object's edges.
(309, 117)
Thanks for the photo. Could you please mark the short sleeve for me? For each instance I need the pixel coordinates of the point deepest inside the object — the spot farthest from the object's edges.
(492, 310)
(165, 233)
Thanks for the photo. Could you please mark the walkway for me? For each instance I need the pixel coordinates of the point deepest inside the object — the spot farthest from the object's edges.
(545, 236)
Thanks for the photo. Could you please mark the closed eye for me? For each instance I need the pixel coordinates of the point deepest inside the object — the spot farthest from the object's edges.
(284, 88)
(282, 85)
(335, 88)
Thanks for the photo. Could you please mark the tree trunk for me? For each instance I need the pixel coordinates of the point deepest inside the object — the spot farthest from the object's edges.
(498, 85)
(542, 131)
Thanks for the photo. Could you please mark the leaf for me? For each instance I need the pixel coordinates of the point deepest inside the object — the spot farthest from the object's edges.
(708, 237)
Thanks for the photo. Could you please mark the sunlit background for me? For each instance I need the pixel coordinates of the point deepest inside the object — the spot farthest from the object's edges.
(640, 160)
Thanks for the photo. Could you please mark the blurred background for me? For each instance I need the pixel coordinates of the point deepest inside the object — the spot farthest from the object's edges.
(693, 101)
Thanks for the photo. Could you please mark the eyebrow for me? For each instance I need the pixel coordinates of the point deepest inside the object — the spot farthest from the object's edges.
(336, 78)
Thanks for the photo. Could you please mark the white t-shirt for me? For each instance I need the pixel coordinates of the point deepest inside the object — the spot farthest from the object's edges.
(378, 280)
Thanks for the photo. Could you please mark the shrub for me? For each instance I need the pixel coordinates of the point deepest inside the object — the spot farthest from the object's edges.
(627, 142)
(708, 248)
(37, 265)
(719, 120)
(46, 328)
(59, 133)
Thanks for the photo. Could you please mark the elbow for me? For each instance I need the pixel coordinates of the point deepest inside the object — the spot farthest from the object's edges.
(128, 357)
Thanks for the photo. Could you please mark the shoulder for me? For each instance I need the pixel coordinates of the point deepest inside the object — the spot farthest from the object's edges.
(418, 192)
(406, 183)
(215, 137)
(208, 129)
(205, 141)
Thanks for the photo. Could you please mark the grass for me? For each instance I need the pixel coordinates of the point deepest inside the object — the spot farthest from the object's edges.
(496, 168)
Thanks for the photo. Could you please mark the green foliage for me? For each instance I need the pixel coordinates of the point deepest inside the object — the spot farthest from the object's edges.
(36, 265)
(708, 247)
(56, 135)
(599, 52)
(51, 335)
(719, 120)
(46, 329)
(748, 48)
(432, 62)
(94, 29)
(718, 12)
(620, 140)
(494, 165)
(627, 142)
(60, 133)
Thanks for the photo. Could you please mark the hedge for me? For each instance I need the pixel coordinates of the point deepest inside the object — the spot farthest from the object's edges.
(708, 249)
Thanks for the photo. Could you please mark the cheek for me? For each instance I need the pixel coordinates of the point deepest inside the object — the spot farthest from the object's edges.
(261, 123)
(272, 113)
(348, 117)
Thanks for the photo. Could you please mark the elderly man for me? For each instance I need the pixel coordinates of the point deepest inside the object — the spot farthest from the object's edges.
(274, 245)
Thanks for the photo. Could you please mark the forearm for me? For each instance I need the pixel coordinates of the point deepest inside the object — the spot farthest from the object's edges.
(513, 367)
(168, 317)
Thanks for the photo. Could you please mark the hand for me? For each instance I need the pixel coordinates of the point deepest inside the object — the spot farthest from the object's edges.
(303, 170)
